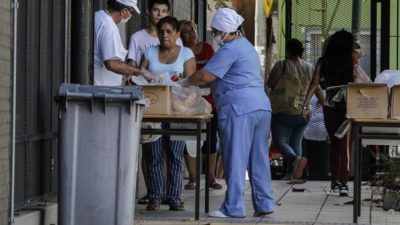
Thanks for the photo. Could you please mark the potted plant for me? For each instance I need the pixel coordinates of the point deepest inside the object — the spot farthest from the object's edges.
(389, 180)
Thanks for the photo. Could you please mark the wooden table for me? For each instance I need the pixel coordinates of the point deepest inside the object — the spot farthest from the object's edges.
(369, 131)
(196, 120)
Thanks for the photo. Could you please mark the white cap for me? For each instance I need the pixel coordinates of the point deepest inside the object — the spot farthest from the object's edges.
(226, 20)
(130, 3)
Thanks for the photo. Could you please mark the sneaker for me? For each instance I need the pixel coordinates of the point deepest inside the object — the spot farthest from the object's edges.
(335, 187)
(300, 165)
(217, 214)
(344, 190)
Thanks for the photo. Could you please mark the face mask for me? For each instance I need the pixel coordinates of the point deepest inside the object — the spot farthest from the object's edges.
(125, 20)
(218, 39)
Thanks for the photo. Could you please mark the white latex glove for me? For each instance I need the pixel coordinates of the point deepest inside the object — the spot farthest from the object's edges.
(150, 77)
(183, 82)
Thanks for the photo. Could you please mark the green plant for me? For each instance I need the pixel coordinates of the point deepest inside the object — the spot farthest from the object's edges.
(221, 4)
(389, 178)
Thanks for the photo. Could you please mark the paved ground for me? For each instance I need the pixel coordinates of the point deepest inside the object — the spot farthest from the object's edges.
(313, 206)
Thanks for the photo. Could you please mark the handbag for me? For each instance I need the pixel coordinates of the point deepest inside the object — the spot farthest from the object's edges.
(285, 95)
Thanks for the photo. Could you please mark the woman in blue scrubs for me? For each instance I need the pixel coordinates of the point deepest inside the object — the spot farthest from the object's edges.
(244, 115)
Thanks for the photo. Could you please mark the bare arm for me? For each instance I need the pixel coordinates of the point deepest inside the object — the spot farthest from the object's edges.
(132, 63)
(311, 89)
(320, 95)
(120, 67)
(201, 78)
(189, 67)
(144, 64)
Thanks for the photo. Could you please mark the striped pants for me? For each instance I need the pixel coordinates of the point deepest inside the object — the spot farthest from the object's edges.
(155, 169)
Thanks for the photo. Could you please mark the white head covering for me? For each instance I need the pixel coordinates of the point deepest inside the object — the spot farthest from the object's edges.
(226, 20)
(131, 3)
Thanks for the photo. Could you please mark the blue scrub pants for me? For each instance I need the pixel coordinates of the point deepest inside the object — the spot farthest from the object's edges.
(244, 140)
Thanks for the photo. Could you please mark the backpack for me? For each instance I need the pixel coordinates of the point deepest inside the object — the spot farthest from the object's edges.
(285, 95)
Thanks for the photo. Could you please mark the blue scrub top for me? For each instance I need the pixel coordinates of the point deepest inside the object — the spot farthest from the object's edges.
(237, 68)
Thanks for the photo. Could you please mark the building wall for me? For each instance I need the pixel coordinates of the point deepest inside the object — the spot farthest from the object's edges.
(307, 17)
(5, 107)
(183, 10)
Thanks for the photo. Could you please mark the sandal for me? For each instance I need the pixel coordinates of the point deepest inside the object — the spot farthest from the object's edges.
(144, 200)
(214, 185)
(190, 186)
(176, 206)
(152, 206)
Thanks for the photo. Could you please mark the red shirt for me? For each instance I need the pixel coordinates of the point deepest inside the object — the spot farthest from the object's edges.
(204, 55)
(201, 60)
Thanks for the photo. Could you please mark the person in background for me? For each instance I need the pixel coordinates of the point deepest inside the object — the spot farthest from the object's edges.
(244, 115)
(148, 36)
(315, 142)
(288, 124)
(138, 43)
(359, 74)
(172, 58)
(336, 69)
(203, 53)
(109, 52)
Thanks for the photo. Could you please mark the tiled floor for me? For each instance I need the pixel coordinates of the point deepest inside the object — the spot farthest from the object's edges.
(313, 206)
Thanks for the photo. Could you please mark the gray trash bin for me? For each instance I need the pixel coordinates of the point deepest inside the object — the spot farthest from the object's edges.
(99, 143)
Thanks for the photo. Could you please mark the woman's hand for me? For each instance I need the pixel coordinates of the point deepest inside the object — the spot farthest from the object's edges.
(126, 80)
(183, 82)
(148, 76)
(306, 113)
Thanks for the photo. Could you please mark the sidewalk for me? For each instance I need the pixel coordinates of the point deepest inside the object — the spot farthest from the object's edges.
(313, 206)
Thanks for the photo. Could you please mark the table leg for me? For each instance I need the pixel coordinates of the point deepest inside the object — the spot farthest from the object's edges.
(198, 171)
(355, 170)
(208, 138)
(360, 160)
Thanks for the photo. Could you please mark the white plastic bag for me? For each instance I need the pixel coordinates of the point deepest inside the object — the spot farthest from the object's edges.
(389, 77)
(185, 101)
(147, 138)
(188, 101)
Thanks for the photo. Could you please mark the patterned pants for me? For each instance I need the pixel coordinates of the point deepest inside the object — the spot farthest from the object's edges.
(155, 169)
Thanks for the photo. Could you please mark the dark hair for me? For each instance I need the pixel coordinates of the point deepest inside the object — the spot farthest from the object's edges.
(115, 6)
(356, 45)
(161, 2)
(337, 67)
(170, 20)
(294, 47)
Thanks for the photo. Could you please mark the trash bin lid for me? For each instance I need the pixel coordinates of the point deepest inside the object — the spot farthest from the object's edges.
(68, 92)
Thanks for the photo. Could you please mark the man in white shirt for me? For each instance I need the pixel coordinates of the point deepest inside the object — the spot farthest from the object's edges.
(148, 36)
(109, 52)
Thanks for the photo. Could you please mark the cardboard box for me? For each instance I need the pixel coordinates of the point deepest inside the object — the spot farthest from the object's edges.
(395, 102)
(160, 99)
(367, 101)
